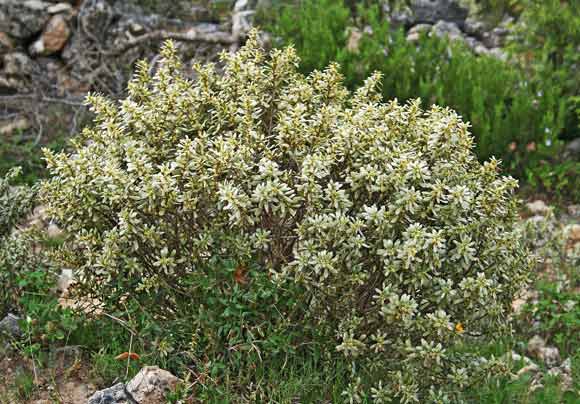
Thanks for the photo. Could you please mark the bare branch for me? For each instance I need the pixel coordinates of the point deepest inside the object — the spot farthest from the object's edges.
(192, 35)
(73, 101)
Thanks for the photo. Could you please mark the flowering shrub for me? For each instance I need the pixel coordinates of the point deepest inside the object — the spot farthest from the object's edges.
(400, 241)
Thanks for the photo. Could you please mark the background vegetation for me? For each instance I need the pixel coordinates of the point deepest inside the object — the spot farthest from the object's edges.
(520, 110)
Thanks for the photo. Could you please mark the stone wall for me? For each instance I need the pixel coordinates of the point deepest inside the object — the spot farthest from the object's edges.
(54, 52)
(449, 18)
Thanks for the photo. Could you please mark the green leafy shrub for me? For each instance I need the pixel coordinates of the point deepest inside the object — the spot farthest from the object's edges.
(17, 264)
(15, 256)
(547, 172)
(502, 103)
(376, 219)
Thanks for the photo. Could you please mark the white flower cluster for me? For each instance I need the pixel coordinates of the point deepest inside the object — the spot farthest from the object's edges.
(402, 240)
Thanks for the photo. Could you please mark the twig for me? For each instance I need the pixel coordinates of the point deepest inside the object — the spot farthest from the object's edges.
(129, 356)
(40, 126)
(76, 101)
(122, 322)
(192, 35)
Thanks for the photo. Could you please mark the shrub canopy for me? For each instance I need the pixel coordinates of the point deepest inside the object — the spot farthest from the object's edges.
(401, 242)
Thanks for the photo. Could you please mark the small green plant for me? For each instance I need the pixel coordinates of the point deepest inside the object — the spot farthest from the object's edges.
(517, 390)
(24, 385)
(557, 312)
(52, 324)
(558, 179)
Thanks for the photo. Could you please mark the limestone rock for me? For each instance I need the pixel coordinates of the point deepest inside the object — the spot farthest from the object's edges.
(523, 298)
(513, 356)
(432, 11)
(136, 28)
(53, 38)
(402, 18)
(564, 372)
(531, 368)
(415, 32)
(538, 207)
(354, 37)
(112, 395)
(498, 53)
(17, 64)
(75, 392)
(491, 40)
(9, 326)
(535, 344)
(574, 210)
(151, 385)
(447, 29)
(68, 84)
(6, 44)
(59, 8)
(474, 27)
(65, 280)
(53, 230)
(23, 19)
(36, 5)
(573, 234)
(549, 355)
(11, 85)
(20, 124)
(573, 148)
